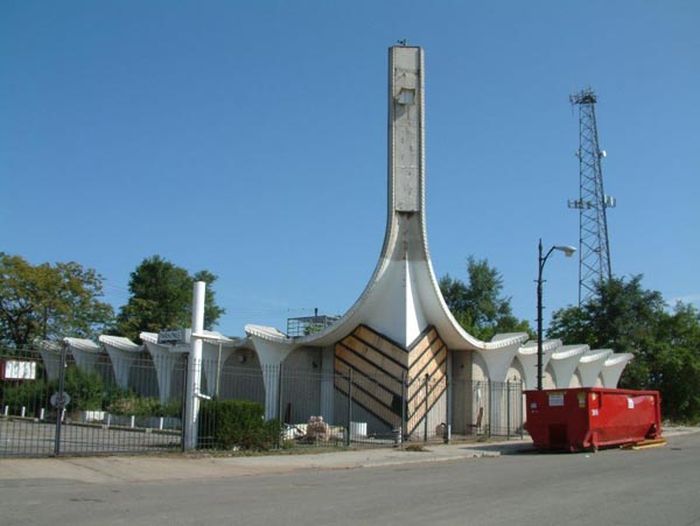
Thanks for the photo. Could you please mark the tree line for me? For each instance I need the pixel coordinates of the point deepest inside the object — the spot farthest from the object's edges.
(49, 301)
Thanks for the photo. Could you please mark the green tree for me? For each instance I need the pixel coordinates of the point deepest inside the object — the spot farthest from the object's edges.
(478, 305)
(49, 301)
(666, 345)
(676, 371)
(161, 298)
(623, 316)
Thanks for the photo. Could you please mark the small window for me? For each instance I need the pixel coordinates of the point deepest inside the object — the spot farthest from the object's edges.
(406, 96)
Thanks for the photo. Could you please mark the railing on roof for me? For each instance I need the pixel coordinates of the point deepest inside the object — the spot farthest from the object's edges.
(305, 325)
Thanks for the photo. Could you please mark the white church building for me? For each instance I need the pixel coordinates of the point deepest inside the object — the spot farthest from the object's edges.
(399, 350)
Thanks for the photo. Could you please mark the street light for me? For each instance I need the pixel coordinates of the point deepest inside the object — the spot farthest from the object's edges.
(568, 252)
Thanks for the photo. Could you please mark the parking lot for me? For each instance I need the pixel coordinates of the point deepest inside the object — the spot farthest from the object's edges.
(36, 438)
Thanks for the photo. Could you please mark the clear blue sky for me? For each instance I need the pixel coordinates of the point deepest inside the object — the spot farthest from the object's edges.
(249, 138)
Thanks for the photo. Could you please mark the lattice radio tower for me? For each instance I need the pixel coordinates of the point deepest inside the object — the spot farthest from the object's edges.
(594, 247)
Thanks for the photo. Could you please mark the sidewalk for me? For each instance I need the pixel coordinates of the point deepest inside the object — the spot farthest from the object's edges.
(97, 470)
(128, 469)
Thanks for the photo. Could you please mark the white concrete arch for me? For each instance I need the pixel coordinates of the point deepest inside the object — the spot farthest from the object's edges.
(51, 356)
(590, 365)
(164, 357)
(576, 380)
(548, 378)
(498, 361)
(527, 354)
(479, 370)
(216, 349)
(271, 354)
(86, 353)
(123, 353)
(516, 372)
(613, 367)
(564, 362)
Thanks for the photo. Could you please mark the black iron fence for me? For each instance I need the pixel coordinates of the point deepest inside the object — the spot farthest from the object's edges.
(51, 406)
(348, 408)
(54, 403)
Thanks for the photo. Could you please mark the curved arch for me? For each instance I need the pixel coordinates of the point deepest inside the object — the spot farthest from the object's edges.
(590, 365)
(613, 368)
(564, 362)
(575, 380)
(516, 371)
(549, 378)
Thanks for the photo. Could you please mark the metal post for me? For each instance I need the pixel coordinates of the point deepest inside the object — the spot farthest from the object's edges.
(349, 421)
(520, 405)
(488, 433)
(404, 424)
(540, 266)
(448, 405)
(279, 397)
(218, 371)
(425, 416)
(541, 260)
(60, 402)
(507, 409)
(279, 393)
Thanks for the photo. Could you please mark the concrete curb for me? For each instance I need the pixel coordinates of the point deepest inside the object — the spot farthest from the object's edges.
(128, 469)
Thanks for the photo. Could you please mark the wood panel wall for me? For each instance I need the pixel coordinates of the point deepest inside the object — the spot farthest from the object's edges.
(384, 374)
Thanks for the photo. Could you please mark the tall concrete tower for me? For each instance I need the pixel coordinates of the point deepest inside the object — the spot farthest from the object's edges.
(398, 358)
(399, 329)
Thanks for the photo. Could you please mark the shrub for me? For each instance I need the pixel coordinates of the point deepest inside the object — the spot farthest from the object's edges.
(131, 404)
(85, 391)
(226, 424)
(33, 395)
(84, 388)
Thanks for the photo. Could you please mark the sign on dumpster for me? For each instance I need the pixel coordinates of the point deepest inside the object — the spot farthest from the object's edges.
(556, 399)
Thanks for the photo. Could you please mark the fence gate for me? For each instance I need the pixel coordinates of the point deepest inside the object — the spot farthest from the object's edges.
(54, 403)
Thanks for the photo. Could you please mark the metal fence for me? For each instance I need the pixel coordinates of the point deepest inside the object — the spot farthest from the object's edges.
(52, 406)
(62, 404)
(348, 408)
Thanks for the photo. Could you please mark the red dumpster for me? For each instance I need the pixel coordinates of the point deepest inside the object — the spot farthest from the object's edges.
(591, 417)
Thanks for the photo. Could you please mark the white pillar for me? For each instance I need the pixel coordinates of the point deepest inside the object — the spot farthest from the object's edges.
(271, 355)
(564, 363)
(214, 356)
(613, 367)
(194, 367)
(164, 361)
(590, 365)
(498, 362)
(122, 353)
(121, 364)
(86, 353)
(51, 356)
(527, 354)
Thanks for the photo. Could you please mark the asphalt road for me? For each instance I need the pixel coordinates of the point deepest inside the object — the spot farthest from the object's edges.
(653, 487)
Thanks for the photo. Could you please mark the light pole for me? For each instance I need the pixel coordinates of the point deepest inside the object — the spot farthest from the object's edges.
(568, 252)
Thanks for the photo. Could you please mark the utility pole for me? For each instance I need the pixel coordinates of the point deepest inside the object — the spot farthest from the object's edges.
(592, 203)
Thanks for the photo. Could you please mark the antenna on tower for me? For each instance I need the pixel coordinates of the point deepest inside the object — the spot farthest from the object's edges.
(594, 248)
